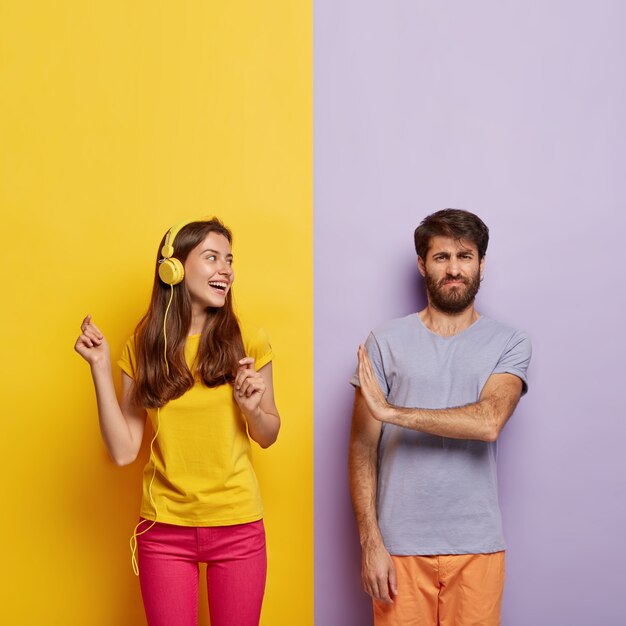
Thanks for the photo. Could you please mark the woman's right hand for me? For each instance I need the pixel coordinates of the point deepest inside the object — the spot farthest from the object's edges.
(91, 344)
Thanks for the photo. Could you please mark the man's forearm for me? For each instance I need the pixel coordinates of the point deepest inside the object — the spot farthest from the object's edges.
(473, 421)
(363, 483)
(481, 420)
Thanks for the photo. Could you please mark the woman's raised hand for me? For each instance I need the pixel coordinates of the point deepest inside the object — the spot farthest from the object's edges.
(249, 386)
(91, 344)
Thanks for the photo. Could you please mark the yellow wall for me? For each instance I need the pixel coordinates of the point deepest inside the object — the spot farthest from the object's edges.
(118, 119)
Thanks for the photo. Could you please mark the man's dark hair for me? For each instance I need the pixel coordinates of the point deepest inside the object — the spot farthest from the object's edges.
(454, 223)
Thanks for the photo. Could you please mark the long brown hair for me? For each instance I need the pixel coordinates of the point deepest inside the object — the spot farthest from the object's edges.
(221, 345)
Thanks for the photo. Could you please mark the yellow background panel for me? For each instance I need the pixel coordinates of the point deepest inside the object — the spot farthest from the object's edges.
(117, 120)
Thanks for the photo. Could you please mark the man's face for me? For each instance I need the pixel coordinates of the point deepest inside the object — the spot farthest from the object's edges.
(452, 273)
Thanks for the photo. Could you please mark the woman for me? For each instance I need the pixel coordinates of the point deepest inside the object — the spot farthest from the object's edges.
(206, 384)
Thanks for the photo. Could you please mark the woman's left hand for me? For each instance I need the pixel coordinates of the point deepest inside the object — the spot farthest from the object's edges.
(249, 386)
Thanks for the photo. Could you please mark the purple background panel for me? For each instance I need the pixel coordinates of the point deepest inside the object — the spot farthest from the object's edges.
(514, 110)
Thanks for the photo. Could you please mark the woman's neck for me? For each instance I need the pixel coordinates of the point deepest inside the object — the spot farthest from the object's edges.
(198, 320)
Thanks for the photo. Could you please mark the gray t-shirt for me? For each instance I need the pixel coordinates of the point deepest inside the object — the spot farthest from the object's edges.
(438, 495)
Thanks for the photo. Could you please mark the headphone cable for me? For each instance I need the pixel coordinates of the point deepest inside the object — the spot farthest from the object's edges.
(133, 539)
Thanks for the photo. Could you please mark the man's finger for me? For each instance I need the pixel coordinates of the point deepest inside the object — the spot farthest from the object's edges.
(393, 581)
(383, 589)
(362, 371)
(367, 364)
(366, 585)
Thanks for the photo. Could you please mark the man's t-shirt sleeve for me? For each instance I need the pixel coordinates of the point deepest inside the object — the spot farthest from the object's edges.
(515, 358)
(375, 355)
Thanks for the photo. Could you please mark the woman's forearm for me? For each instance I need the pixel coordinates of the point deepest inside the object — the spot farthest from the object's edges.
(122, 441)
(263, 426)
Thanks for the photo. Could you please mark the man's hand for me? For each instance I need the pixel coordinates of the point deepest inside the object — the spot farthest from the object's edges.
(378, 573)
(370, 389)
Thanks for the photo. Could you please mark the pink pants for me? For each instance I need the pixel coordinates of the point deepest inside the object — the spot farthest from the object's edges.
(236, 566)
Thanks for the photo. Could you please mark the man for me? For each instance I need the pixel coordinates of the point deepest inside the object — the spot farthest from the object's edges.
(433, 391)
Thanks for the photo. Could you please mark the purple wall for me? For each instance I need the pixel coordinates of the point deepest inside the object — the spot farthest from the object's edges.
(514, 110)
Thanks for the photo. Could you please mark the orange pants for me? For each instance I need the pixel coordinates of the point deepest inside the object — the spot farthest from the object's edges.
(448, 590)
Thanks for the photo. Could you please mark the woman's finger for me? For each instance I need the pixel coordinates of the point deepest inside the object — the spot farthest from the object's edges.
(255, 387)
(247, 374)
(251, 385)
(242, 375)
(93, 335)
(85, 324)
(95, 330)
(88, 325)
(85, 341)
(248, 386)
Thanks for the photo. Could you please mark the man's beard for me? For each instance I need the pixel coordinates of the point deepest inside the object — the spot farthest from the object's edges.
(452, 300)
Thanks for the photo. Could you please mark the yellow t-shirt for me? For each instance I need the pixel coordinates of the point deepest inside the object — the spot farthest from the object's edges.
(203, 474)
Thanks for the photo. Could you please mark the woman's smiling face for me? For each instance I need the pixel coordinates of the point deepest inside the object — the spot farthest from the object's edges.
(209, 273)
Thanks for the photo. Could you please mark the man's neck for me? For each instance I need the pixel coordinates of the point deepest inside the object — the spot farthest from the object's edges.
(446, 324)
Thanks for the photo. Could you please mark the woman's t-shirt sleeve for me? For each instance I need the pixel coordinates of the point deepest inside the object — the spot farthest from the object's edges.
(127, 360)
(257, 345)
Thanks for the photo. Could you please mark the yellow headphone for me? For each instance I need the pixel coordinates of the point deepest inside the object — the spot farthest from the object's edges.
(171, 270)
